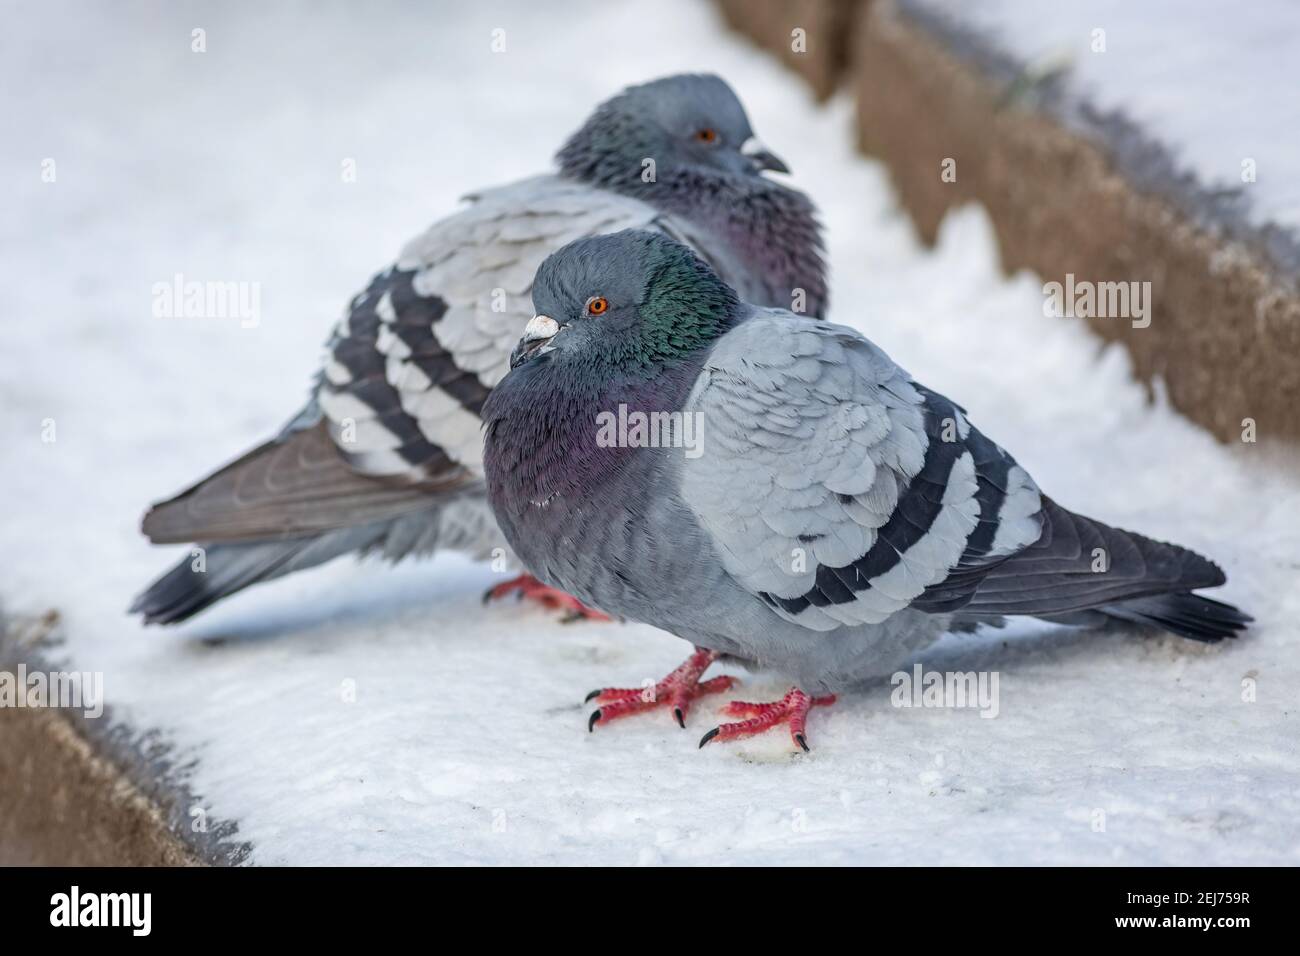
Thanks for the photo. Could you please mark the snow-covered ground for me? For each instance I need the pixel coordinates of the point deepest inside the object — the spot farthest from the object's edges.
(362, 714)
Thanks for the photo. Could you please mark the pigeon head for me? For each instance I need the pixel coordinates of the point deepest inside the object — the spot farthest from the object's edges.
(685, 123)
(630, 300)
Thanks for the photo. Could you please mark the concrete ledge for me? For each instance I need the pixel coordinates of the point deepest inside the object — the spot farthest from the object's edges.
(1224, 331)
(828, 31)
(61, 805)
(81, 792)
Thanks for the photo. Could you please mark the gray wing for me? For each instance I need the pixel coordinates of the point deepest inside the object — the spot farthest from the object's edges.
(387, 455)
(417, 353)
(835, 488)
(393, 426)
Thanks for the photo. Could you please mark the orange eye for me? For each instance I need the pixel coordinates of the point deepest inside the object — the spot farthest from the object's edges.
(707, 135)
(597, 305)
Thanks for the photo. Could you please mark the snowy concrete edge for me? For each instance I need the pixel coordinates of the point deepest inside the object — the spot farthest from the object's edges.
(83, 791)
(1144, 161)
(1070, 190)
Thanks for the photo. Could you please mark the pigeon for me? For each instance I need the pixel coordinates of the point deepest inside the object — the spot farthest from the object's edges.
(776, 491)
(386, 456)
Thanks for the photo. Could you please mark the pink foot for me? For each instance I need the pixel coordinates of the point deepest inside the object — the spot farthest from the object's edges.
(531, 589)
(792, 708)
(677, 690)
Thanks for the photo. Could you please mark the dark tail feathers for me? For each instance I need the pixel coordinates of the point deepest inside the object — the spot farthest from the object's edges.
(218, 570)
(1183, 613)
(1141, 581)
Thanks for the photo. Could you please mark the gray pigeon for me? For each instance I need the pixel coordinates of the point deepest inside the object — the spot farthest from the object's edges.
(387, 457)
(776, 490)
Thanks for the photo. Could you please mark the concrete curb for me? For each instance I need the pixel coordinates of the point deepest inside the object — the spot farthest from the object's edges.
(76, 791)
(827, 27)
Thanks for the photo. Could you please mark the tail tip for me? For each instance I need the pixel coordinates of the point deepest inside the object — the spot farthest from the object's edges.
(1188, 615)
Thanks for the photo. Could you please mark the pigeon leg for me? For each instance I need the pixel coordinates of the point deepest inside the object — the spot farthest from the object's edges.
(531, 589)
(677, 690)
(791, 709)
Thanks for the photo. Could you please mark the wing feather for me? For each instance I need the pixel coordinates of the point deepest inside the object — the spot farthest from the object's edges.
(834, 487)
(411, 363)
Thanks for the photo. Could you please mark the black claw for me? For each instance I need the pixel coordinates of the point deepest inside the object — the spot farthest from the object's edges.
(709, 736)
(681, 718)
(798, 738)
(595, 693)
(591, 724)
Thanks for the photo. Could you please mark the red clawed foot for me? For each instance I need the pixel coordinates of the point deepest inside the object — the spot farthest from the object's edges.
(677, 690)
(531, 589)
(792, 709)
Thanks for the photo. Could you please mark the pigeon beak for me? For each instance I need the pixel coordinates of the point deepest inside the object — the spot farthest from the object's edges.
(539, 330)
(761, 158)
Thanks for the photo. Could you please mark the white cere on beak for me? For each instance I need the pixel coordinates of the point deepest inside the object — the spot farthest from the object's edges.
(541, 327)
(536, 339)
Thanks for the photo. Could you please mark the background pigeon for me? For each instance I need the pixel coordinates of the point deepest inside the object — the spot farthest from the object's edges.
(386, 456)
(833, 517)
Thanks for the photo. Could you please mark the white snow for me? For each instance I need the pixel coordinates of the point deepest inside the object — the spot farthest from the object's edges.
(1216, 83)
(466, 741)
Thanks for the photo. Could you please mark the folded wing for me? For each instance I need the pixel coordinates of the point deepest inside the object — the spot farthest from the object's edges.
(835, 488)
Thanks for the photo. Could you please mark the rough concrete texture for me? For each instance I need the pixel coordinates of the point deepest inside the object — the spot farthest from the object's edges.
(827, 32)
(82, 791)
(62, 805)
(1224, 332)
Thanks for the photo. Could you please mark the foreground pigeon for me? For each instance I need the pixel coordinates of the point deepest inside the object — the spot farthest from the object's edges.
(387, 455)
(802, 503)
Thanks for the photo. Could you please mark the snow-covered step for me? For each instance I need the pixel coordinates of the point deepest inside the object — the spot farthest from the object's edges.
(364, 714)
